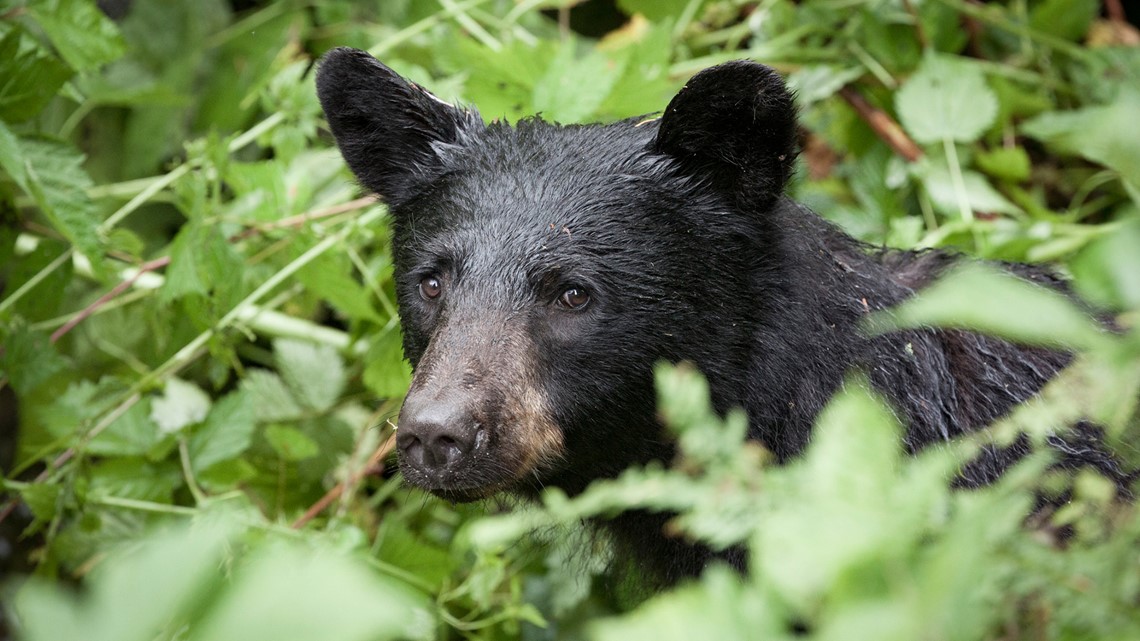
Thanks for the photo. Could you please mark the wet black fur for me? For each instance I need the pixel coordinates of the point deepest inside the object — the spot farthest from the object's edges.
(680, 231)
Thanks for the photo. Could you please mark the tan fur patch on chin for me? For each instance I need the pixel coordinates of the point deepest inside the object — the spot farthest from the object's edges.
(538, 439)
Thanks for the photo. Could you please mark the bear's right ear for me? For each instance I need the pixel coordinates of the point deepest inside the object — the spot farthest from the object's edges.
(389, 130)
(734, 125)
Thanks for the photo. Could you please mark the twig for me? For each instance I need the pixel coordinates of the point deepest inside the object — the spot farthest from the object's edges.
(1114, 9)
(301, 219)
(883, 125)
(374, 466)
(109, 296)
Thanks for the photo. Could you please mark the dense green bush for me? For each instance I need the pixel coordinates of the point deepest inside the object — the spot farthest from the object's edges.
(200, 339)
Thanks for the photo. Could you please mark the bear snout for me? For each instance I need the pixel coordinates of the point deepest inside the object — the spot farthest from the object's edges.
(438, 436)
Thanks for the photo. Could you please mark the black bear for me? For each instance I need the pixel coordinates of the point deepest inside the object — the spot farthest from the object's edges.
(542, 271)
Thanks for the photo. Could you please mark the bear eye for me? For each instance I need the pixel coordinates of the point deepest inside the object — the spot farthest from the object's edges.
(431, 287)
(574, 298)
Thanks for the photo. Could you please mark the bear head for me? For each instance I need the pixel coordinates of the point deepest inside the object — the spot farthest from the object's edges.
(543, 270)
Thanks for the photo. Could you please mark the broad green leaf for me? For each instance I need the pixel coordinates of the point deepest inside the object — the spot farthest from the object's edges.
(719, 607)
(42, 499)
(201, 262)
(946, 99)
(296, 594)
(386, 373)
(160, 581)
(291, 443)
(314, 372)
(132, 434)
(83, 35)
(330, 276)
(28, 78)
(29, 360)
(180, 405)
(1108, 270)
(984, 299)
(1096, 133)
(135, 478)
(572, 88)
(1068, 19)
(818, 82)
(272, 400)
(226, 433)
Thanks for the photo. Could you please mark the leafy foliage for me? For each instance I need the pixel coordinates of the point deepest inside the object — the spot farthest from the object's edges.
(198, 340)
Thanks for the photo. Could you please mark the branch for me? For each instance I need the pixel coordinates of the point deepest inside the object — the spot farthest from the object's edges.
(883, 124)
(374, 466)
(109, 296)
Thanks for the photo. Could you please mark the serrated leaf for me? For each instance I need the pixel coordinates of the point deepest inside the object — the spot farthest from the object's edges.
(226, 433)
(181, 404)
(291, 443)
(272, 400)
(818, 82)
(330, 276)
(135, 478)
(132, 434)
(29, 359)
(28, 78)
(83, 35)
(52, 174)
(42, 499)
(314, 372)
(983, 299)
(201, 261)
(946, 100)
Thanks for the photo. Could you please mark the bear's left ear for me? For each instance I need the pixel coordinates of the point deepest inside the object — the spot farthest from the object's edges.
(735, 125)
(391, 132)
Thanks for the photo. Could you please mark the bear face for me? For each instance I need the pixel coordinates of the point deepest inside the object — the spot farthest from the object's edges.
(543, 270)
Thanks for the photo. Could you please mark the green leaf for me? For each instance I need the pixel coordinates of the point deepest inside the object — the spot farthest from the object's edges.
(980, 194)
(1096, 133)
(1006, 163)
(330, 276)
(132, 434)
(28, 78)
(52, 174)
(29, 359)
(386, 373)
(202, 261)
(297, 594)
(719, 607)
(981, 298)
(572, 88)
(291, 443)
(42, 499)
(272, 400)
(163, 578)
(83, 35)
(818, 82)
(314, 372)
(181, 404)
(946, 99)
(1068, 19)
(135, 478)
(226, 433)
(1108, 270)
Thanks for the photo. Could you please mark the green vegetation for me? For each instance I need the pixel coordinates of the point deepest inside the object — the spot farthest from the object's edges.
(199, 332)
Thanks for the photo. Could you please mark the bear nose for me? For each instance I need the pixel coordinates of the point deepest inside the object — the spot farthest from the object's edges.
(436, 436)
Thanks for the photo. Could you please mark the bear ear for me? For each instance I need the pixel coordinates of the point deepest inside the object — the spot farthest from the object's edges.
(735, 125)
(390, 131)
